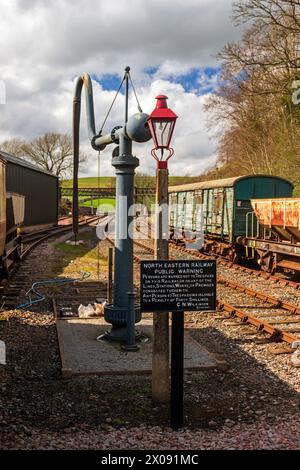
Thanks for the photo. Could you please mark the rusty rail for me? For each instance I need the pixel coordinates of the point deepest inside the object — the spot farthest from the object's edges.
(264, 326)
(276, 333)
(229, 264)
(51, 232)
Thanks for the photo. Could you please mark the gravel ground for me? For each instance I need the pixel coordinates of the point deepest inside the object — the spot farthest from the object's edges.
(254, 404)
(282, 435)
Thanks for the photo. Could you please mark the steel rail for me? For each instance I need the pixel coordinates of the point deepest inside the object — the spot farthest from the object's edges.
(229, 264)
(222, 261)
(262, 325)
(53, 232)
(294, 309)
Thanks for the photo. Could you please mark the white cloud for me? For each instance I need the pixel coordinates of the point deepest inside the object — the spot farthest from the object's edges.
(45, 45)
(194, 151)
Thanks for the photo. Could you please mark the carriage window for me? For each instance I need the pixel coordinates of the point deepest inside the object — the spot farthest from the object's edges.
(198, 197)
(218, 200)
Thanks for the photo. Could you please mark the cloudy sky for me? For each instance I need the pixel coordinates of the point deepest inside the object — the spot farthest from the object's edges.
(169, 45)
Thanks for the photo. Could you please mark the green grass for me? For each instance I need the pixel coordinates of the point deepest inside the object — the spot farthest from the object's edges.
(74, 249)
(105, 204)
(140, 181)
(74, 259)
(80, 251)
(105, 182)
(86, 252)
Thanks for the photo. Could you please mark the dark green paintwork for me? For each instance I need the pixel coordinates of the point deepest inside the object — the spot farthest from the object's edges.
(225, 209)
(255, 187)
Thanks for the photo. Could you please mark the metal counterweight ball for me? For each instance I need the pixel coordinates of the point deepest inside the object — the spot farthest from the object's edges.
(137, 128)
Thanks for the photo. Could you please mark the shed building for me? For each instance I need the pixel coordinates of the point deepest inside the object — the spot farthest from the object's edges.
(40, 188)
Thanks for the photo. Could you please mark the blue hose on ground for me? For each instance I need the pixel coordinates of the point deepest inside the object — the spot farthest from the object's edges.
(41, 297)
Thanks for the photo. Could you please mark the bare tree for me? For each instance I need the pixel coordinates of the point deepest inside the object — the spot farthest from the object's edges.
(285, 14)
(275, 38)
(259, 126)
(13, 146)
(52, 152)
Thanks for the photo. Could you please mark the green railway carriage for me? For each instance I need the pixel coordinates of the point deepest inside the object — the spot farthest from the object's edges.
(225, 203)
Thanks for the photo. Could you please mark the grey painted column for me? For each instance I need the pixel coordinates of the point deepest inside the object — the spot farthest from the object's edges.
(116, 313)
(125, 166)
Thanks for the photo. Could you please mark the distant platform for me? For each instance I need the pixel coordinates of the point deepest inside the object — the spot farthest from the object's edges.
(82, 354)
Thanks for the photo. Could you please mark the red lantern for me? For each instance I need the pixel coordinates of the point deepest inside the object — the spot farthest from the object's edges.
(161, 123)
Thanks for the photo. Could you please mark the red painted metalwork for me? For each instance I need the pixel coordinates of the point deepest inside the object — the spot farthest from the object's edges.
(161, 123)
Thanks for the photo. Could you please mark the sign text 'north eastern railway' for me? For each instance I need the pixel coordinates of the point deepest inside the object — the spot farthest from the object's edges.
(181, 285)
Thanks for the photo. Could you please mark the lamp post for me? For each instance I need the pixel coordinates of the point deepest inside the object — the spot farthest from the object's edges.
(161, 123)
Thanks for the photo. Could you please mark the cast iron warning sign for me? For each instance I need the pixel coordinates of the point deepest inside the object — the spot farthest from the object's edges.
(180, 285)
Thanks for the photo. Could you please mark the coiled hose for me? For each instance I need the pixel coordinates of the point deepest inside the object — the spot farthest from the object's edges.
(41, 297)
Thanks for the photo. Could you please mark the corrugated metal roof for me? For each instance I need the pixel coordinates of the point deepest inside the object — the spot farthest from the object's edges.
(222, 183)
(21, 162)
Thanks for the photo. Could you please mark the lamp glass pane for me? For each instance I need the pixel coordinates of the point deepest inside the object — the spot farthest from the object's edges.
(163, 132)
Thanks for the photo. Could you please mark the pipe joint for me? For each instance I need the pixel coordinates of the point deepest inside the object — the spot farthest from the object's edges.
(95, 146)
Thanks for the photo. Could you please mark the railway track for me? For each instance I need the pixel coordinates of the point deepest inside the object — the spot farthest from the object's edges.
(229, 264)
(253, 272)
(277, 317)
(31, 240)
(222, 262)
(273, 314)
(11, 289)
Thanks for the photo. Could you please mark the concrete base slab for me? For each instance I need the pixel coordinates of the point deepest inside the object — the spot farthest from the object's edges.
(82, 354)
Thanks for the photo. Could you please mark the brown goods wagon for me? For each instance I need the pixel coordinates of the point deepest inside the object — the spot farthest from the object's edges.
(276, 240)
